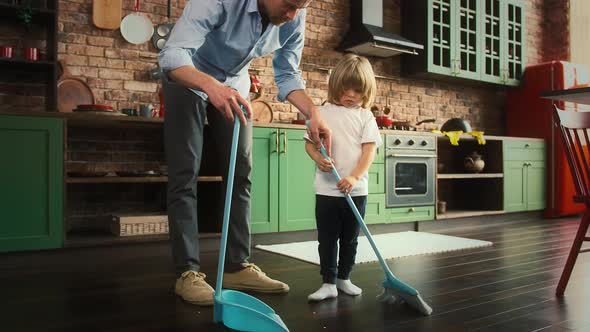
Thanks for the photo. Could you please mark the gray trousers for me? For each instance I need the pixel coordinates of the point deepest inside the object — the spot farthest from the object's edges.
(183, 142)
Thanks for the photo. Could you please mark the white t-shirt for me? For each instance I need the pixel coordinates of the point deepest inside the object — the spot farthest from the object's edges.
(351, 127)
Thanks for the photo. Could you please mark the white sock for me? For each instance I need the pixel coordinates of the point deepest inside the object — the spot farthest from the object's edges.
(348, 287)
(327, 291)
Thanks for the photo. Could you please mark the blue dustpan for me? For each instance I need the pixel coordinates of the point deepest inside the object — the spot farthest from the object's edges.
(237, 310)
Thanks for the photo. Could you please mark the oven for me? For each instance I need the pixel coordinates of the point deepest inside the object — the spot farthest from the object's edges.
(409, 170)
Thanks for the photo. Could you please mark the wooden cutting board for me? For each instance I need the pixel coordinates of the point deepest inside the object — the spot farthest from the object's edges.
(106, 14)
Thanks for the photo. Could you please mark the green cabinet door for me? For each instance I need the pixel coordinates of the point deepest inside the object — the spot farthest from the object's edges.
(265, 181)
(514, 186)
(513, 51)
(375, 211)
(467, 57)
(535, 185)
(524, 175)
(441, 39)
(296, 176)
(503, 25)
(31, 174)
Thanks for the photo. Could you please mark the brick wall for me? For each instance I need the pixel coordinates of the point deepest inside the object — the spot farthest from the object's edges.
(118, 71)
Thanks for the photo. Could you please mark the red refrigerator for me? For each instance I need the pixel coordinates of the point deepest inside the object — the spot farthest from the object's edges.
(528, 115)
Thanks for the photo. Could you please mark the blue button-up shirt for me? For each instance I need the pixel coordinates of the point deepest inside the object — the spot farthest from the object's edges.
(222, 37)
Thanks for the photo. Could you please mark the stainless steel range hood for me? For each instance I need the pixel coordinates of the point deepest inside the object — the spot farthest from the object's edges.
(366, 35)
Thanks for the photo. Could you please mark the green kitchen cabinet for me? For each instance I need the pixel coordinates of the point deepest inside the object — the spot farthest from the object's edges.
(524, 175)
(503, 26)
(469, 39)
(283, 197)
(31, 174)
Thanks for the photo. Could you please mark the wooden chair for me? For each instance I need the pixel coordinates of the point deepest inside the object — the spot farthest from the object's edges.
(575, 132)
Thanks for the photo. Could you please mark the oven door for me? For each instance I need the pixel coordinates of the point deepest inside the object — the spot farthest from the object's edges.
(409, 178)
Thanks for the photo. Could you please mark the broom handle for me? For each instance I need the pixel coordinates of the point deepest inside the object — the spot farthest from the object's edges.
(407, 288)
(226, 209)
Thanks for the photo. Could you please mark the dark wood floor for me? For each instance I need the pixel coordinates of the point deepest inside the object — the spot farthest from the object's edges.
(507, 287)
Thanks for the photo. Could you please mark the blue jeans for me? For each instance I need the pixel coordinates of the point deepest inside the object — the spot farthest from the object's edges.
(337, 227)
(183, 141)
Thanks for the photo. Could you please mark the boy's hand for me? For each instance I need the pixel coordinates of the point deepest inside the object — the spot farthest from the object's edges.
(324, 164)
(346, 184)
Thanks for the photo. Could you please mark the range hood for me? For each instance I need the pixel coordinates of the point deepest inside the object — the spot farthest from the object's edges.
(366, 35)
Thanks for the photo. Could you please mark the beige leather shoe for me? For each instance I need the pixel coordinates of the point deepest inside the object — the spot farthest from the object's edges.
(253, 279)
(193, 288)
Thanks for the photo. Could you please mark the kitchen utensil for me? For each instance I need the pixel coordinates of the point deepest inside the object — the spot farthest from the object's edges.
(106, 14)
(261, 111)
(6, 51)
(163, 30)
(136, 27)
(95, 107)
(456, 124)
(31, 53)
(407, 125)
(237, 310)
(72, 91)
(394, 289)
(298, 121)
(383, 121)
(146, 110)
(441, 207)
(473, 163)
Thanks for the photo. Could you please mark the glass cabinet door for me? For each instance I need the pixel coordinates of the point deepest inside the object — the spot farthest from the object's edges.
(466, 61)
(440, 52)
(492, 53)
(514, 42)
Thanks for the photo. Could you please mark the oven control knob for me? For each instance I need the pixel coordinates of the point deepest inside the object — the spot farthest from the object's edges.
(424, 143)
(411, 142)
(397, 141)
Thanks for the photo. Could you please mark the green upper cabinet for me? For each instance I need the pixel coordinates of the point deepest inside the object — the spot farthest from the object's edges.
(31, 174)
(503, 43)
(472, 39)
(283, 197)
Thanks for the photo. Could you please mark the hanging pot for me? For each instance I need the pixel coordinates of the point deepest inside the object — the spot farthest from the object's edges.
(136, 27)
(162, 31)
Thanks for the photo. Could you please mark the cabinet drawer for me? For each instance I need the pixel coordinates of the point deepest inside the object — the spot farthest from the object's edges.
(524, 150)
(377, 179)
(407, 214)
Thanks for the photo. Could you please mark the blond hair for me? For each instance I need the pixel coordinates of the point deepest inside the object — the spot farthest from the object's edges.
(352, 72)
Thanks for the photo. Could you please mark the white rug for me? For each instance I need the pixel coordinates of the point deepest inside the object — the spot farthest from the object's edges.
(391, 245)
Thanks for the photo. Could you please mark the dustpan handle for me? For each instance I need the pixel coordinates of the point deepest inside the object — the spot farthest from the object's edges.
(407, 288)
(227, 206)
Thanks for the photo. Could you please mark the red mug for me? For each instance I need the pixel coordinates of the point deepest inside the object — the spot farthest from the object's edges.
(6, 51)
(31, 53)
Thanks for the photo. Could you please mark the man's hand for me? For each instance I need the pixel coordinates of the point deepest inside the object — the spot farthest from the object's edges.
(227, 101)
(346, 184)
(318, 130)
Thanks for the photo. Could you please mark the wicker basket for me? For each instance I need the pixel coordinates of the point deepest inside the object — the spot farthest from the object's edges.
(133, 225)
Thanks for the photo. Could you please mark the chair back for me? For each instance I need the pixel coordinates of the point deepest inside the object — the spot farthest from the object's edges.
(574, 128)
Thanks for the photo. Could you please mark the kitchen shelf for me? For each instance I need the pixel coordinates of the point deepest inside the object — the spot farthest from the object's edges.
(89, 239)
(470, 176)
(140, 179)
(23, 64)
(467, 213)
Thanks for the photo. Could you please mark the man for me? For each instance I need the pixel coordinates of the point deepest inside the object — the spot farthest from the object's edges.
(206, 61)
